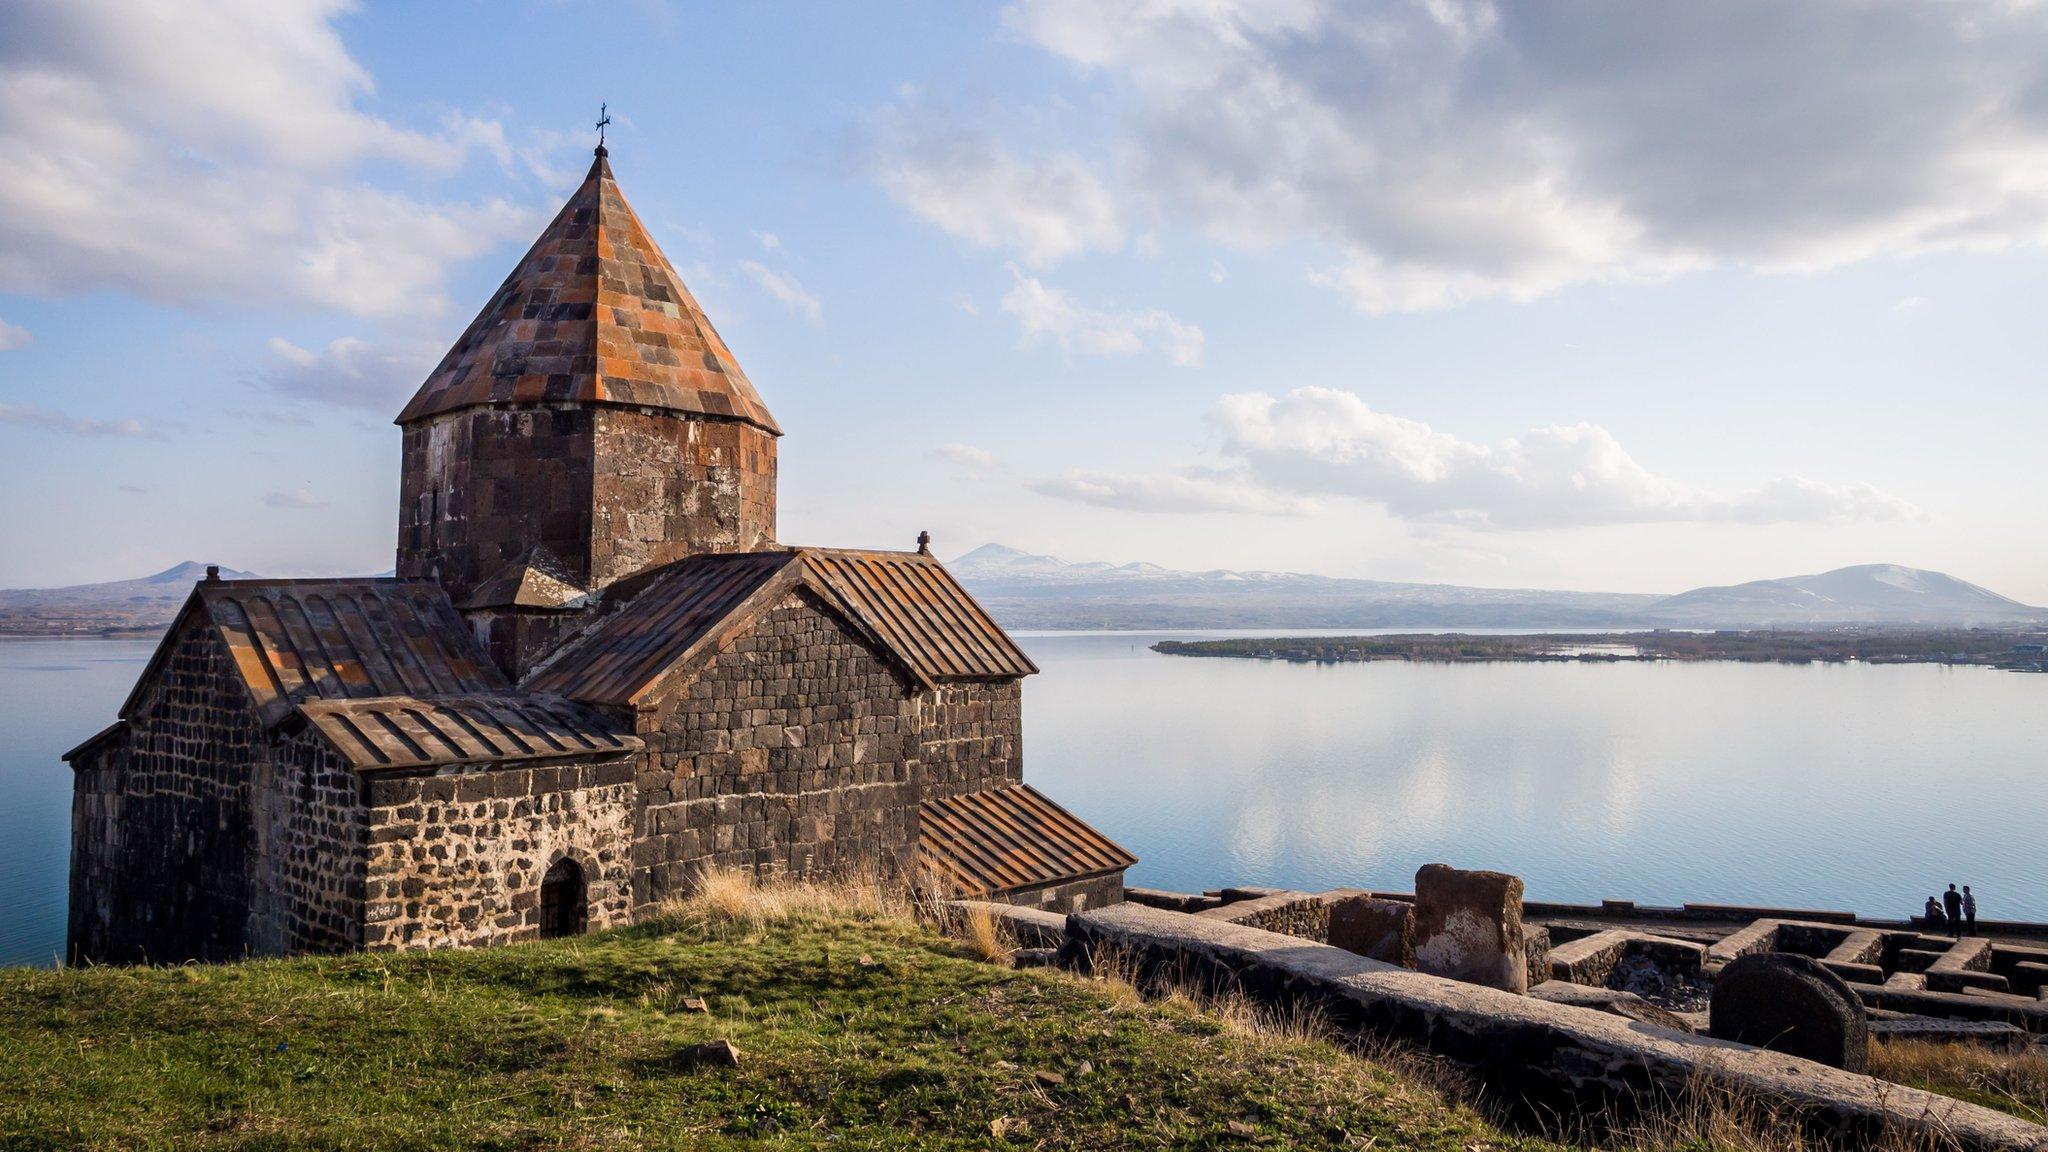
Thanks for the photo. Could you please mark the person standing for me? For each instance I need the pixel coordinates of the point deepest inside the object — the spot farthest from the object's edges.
(1970, 909)
(1952, 900)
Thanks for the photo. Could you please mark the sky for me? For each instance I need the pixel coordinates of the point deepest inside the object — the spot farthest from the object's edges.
(1601, 296)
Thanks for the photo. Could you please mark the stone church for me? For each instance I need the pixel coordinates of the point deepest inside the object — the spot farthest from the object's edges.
(595, 675)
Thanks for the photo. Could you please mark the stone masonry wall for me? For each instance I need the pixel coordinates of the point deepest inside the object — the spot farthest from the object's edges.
(789, 751)
(609, 490)
(1071, 895)
(478, 486)
(161, 840)
(458, 859)
(970, 737)
(666, 487)
(306, 890)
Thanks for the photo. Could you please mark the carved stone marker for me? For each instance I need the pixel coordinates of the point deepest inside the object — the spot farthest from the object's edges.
(1468, 926)
(1791, 1004)
(1375, 929)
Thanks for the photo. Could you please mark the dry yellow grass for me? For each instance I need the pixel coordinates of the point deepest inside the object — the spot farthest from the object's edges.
(985, 936)
(2011, 1081)
(737, 898)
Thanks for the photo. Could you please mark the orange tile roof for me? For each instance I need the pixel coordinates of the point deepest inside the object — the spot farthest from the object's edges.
(595, 313)
(1004, 839)
(905, 602)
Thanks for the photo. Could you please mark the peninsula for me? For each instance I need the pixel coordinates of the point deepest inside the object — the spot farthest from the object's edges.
(2023, 650)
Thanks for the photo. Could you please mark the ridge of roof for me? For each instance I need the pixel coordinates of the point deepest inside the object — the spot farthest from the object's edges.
(325, 638)
(904, 603)
(593, 313)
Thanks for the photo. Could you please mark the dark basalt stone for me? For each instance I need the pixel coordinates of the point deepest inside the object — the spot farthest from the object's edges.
(1792, 1004)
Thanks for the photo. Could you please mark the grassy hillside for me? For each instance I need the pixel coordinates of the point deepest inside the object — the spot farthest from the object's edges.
(857, 1029)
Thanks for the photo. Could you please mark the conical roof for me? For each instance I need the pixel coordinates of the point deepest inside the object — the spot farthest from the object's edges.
(593, 312)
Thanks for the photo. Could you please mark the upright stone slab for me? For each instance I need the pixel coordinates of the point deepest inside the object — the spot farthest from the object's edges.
(1468, 926)
(1792, 1004)
(1376, 929)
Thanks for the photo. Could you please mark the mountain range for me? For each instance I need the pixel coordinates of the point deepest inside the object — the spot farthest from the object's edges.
(1025, 590)
(1035, 591)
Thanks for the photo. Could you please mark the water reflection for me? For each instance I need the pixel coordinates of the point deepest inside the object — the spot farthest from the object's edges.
(1659, 782)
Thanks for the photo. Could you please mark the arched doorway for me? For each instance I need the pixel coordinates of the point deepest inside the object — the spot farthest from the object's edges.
(561, 900)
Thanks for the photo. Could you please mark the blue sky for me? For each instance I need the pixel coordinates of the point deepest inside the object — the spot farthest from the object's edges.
(1628, 297)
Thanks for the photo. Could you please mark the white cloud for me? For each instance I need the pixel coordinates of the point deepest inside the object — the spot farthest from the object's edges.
(1323, 441)
(293, 498)
(968, 458)
(1909, 305)
(14, 336)
(1285, 454)
(214, 151)
(1452, 150)
(1192, 490)
(785, 289)
(29, 416)
(351, 372)
(1047, 312)
(769, 241)
(1042, 210)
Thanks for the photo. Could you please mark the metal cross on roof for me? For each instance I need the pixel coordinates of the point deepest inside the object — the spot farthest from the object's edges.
(603, 118)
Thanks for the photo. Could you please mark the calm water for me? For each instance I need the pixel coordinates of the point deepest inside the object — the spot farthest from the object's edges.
(1847, 787)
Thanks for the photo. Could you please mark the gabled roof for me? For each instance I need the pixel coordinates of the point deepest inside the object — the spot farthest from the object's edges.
(299, 640)
(595, 313)
(537, 579)
(1004, 839)
(407, 732)
(906, 603)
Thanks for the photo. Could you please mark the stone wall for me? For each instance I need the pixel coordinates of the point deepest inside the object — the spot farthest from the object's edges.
(1070, 895)
(458, 859)
(478, 486)
(789, 751)
(970, 737)
(1299, 914)
(160, 818)
(306, 887)
(610, 490)
(667, 487)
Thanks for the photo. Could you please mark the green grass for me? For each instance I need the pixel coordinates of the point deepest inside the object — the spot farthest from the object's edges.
(857, 1030)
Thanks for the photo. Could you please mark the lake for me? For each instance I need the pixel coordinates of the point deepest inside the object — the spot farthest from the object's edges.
(1846, 786)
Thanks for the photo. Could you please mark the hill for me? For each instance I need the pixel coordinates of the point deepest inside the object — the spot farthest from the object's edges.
(1027, 590)
(144, 604)
(855, 1029)
(1036, 591)
(1863, 594)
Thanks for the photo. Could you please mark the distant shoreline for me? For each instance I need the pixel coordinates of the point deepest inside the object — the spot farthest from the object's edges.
(2020, 650)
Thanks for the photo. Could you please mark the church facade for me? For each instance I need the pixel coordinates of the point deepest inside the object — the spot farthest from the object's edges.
(595, 675)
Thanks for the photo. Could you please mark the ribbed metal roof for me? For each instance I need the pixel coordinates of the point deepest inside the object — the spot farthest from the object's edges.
(907, 601)
(405, 732)
(298, 640)
(679, 609)
(987, 843)
(922, 612)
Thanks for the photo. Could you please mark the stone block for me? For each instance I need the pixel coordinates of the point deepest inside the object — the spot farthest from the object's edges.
(1792, 1004)
(1381, 930)
(1614, 1002)
(1468, 926)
